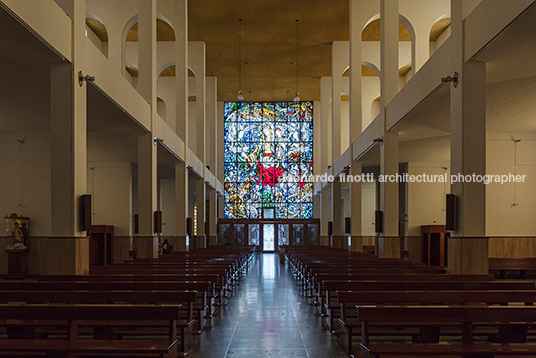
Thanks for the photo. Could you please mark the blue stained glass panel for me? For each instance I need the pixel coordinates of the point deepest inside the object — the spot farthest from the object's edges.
(268, 153)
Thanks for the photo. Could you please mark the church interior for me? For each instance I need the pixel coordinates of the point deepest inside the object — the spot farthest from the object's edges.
(267, 178)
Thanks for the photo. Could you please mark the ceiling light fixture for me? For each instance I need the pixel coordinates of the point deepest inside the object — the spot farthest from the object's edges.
(297, 96)
(240, 93)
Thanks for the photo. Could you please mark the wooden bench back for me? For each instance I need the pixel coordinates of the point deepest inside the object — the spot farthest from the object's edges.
(435, 297)
(426, 285)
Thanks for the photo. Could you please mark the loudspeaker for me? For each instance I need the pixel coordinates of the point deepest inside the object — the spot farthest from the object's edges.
(451, 212)
(207, 228)
(379, 221)
(347, 226)
(157, 222)
(136, 224)
(85, 212)
(330, 228)
(189, 226)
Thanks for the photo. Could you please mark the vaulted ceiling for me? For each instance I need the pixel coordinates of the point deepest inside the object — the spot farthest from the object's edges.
(268, 44)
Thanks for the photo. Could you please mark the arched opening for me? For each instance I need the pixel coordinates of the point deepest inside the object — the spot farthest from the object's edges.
(439, 33)
(370, 89)
(97, 33)
(164, 32)
(406, 45)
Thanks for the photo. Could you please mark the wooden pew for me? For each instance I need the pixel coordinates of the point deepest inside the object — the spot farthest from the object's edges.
(319, 278)
(212, 297)
(199, 307)
(331, 288)
(503, 264)
(184, 324)
(512, 323)
(21, 339)
(350, 325)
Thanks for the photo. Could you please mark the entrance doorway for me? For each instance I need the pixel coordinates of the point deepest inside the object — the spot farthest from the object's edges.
(268, 233)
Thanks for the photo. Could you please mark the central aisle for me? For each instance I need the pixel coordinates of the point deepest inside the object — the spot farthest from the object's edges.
(267, 317)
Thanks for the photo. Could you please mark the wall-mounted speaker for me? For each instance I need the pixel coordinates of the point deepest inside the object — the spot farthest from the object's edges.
(347, 226)
(379, 221)
(85, 212)
(207, 228)
(157, 222)
(136, 224)
(451, 212)
(189, 226)
(330, 228)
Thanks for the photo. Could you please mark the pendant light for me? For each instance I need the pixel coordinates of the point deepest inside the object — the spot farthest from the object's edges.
(240, 93)
(297, 95)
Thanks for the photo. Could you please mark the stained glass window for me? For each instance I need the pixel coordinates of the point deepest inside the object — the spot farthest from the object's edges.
(268, 159)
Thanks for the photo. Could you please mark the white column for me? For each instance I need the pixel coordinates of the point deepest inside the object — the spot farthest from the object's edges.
(356, 28)
(468, 246)
(338, 213)
(181, 69)
(356, 118)
(146, 243)
(324, 216)
(356, 209)
(180, 242)
(212, 217)
(325, 103)
(389, 241)
(200, 198)
(339, 62)
(181, 198)
(211, 121)
(68, 103)
(197, 63)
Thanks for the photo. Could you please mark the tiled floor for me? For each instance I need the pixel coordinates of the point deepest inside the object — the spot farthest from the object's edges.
(267, 317)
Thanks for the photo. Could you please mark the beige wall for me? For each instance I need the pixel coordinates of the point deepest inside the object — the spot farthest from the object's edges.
(110, 185)
(368, 207)
(426, 201)
(510, 207)
(25, 180)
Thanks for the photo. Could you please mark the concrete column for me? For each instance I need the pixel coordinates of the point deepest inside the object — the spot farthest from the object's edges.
(197, 61)
(421, 49)
(337, 210)
(147, 50)
(339, 62)
(220, 145)
(356, 118)
(468, 246)
(115, 50)
(180, 241)
(212, 217)
(317, 138)
(200, 199)
(211, 124)
(356, 209)
(356, 28)
(181, 69)
(327, 140)
(69, 250)
(389, 241)
(146, 243)
(389, 50)
(324, 217)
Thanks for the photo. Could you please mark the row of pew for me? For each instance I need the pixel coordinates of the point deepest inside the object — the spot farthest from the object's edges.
(141, 308)
(381, 307)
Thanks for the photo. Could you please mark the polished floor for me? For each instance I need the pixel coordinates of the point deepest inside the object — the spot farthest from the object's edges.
(267, 317)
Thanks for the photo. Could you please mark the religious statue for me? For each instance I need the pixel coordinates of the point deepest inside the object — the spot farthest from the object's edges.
(18, 228)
